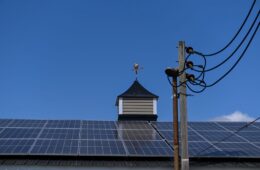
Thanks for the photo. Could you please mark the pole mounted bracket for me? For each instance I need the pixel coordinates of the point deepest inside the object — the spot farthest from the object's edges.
(171, 72)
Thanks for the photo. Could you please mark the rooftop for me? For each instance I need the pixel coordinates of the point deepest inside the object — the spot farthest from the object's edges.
(137, 90)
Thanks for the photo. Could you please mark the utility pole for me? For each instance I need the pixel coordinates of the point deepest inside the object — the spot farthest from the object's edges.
(174, 73)
(183, 108)
(175, 123)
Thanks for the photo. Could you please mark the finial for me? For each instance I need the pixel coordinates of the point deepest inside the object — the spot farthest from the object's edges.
(136, 69)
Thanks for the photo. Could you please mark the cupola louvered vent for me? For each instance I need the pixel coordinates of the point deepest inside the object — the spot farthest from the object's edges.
(137, 103)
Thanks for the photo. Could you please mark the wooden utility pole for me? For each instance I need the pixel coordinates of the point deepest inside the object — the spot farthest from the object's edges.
(174, 73)
(183, 109)
(175, 123)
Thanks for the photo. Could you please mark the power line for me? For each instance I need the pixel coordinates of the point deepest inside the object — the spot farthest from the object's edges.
(229, 136)
(224, 61)
(228, 44)
(196, 91)
(240, 57)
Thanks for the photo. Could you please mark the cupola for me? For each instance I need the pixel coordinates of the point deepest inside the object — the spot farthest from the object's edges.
(137, 103)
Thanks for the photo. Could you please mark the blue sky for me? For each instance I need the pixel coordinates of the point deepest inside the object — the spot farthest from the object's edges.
(66, 59)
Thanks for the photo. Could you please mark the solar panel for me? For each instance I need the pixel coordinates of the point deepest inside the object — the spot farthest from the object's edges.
(139, 135)
(27, 123)
(257, 125)
(19, 133)
(98, 124)
(60, 134)
(137, 125)
(204, 126)
(15, 146)
(148, 148)
(252, 136)
(98, 134)
(55, 147)
(239, 149)
(124, 138)
(234, 126)
(257, 144)
(204, 149)
(215, 136)
(163, 125)
(101, 147)
(192, 136)
(4, 122)
(63, 124)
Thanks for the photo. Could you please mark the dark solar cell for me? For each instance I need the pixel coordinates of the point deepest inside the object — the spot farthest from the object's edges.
(148, 148)
(204, 149)
(137, 125)
(4, 122)
(15, 146)
(102, 147)
(257, 124)
(55, 147)
(257, 144)
(27, 123)
(205, 126)
(252, 136)
(239, 149)
(19, 133)
(192, 136)
(215, 136)
(234, 126)
(139, 135)
(163, 125)
(60, 134)
(63, 124)
(99, 134)
(167, 134)
(98, 124)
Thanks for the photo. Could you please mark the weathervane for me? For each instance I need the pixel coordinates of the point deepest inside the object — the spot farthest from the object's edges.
(136, 69)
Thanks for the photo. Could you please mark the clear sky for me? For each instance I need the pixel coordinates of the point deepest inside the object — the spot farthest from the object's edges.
(69, 59)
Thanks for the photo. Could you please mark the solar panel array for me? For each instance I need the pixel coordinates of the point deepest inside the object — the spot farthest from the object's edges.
(125, 138)
(217, 139)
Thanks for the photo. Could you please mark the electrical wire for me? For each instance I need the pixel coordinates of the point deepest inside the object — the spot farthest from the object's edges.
(184, 69)
(202, 82)
(239, 30)
(240, 57)
(177, 85)
(224, 61)
(196, 91)
(229, 136)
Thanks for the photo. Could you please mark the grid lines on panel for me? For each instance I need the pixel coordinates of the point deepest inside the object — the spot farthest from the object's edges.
(19, 133)
(133, 125)
(168, 126)
(99, 134)
(239, 149)
(250, 136)
(216, 136)
(5, 122)
(198, 149)
(55, 147)
(234, 126)
(109, 125)
(15, 146)
(139, 135)
(205, 126)
(148, 148)
(63, 124)
(27, 123)
(60, 134)
(192, 136)
(102, 147)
